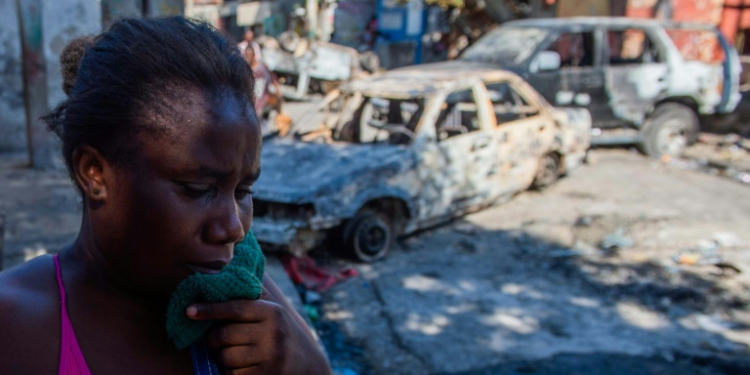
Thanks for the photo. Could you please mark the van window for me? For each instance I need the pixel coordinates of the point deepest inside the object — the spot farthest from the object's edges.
(575, 49)
(631, 46)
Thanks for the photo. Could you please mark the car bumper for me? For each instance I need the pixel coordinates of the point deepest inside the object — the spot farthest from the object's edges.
(294, 236)
(275, 232)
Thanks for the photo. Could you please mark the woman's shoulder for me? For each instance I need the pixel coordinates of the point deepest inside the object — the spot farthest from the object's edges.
(27, 282)
(29, 316)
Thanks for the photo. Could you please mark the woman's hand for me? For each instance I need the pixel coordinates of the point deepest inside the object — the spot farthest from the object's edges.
(265, 336)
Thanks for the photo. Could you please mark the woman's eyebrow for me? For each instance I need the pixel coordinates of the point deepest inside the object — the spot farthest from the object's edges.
(252, 177)
(217, 173)
(206, 171)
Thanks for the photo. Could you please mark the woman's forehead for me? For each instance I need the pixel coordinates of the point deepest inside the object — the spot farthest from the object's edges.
(206, 129)
(178, 107)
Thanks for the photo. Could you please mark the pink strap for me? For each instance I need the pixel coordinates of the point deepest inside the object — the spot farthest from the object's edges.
(71, 358)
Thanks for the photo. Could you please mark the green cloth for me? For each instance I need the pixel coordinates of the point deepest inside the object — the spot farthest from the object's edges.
(241, 278)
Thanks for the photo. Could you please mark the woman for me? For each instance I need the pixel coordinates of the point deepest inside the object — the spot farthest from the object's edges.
(161, 139)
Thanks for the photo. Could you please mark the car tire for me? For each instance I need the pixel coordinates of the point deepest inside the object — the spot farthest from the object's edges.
(547, 173)
(369, 236)
(669, 130)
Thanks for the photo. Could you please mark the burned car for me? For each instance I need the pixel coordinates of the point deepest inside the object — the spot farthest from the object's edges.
(315, 65)
(407, 149)
(645, 82)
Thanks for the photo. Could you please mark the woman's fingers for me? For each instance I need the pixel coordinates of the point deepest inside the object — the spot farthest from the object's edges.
(235, 310)
(239, 357)
(255, 370)
(234, 334)
(251, 346)
(263, 336)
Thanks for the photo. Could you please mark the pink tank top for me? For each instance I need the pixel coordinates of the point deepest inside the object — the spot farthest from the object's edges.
(71, 358)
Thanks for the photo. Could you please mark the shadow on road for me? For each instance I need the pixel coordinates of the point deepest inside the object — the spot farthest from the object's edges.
(460, 299)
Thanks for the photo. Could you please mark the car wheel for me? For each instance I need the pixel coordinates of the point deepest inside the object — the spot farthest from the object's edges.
(547, 173)
(369, 236)
(669, 130)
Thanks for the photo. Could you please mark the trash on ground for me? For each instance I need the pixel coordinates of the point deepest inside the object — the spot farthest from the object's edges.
(617, 240)
(306, 272)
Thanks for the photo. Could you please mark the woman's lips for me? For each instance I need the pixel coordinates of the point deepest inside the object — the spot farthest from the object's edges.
(210, 268)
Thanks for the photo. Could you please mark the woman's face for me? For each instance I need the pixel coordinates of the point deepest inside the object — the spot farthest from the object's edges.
(187, 200)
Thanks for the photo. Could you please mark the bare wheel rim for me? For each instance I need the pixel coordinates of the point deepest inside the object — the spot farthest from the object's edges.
(672, 137)
(547, 171)
(372, 237)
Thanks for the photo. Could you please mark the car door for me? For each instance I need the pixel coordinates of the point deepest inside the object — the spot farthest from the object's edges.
(525, 133)
(458, 167)
(578, 81)
(637, 75)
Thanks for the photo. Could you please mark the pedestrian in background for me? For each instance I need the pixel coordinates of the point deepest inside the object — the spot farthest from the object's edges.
(248, 40)
(267, 89)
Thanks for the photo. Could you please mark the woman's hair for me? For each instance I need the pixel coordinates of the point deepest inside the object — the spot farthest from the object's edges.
(122, 82)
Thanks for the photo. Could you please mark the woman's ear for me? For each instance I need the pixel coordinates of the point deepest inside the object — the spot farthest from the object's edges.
(89, 170)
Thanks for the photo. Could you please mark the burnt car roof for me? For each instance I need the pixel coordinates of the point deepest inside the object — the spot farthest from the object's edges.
(552, 23)
(423, 80)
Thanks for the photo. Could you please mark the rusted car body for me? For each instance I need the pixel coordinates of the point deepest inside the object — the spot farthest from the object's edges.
(407, 149)
(639, 84)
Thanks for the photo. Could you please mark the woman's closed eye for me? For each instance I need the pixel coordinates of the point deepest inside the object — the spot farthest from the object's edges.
(195, 190)
(243, 191)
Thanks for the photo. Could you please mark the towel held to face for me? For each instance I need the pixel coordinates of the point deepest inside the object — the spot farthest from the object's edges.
(241, 278)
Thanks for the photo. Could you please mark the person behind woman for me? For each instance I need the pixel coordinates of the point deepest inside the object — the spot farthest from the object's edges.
(248, 40)
(267, 89)
(161, 140)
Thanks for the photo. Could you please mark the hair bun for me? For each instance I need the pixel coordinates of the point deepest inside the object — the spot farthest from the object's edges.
(70, 60)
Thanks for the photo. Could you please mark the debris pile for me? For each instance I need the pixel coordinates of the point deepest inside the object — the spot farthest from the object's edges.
(724, 155)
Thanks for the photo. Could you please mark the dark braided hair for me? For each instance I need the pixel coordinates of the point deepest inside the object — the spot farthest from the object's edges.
(118, 80)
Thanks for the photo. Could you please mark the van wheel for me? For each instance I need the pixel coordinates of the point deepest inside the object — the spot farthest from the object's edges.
(669, 130)
(369, 236)
(547, 173)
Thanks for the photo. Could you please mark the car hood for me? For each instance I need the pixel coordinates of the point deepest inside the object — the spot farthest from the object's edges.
(293, 171)
(455, 66)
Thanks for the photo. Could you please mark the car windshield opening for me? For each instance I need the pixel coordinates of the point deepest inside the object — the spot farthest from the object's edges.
(507, 46)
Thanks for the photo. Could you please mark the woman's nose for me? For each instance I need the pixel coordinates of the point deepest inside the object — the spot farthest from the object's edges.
(226, 225)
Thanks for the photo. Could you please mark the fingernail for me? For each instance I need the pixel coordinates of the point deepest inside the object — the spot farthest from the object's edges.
(192, 311)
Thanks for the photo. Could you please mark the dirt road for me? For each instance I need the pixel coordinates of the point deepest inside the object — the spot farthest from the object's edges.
(627, 266)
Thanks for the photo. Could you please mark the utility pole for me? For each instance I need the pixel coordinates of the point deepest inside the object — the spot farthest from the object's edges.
(311, 10)
(189, 9)
(40, 143)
